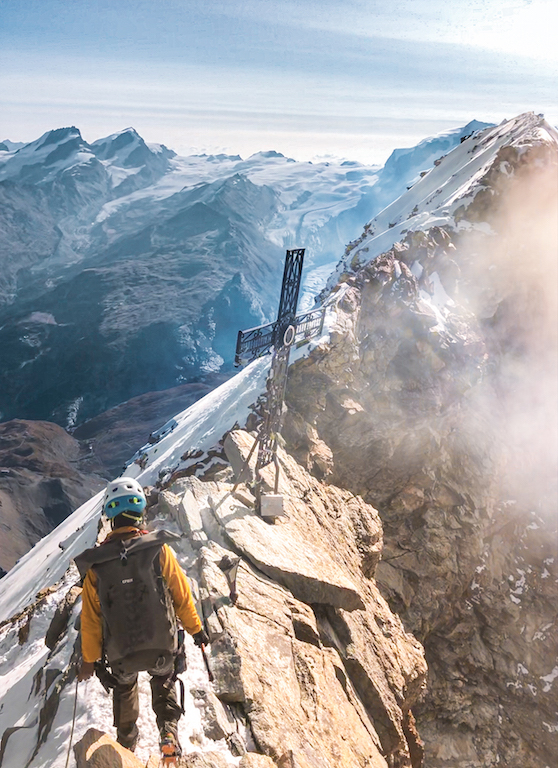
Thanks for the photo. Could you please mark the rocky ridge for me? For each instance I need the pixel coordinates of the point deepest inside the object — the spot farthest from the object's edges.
(308, 578)
(428, 402)
(310, 667)
(436, 402)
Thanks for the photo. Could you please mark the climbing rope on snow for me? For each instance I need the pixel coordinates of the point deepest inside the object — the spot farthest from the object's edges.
(73, 724)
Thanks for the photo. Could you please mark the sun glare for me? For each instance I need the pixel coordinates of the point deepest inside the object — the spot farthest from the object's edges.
(515, 27)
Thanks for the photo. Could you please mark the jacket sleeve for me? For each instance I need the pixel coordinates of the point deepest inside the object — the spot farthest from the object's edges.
(180, 591)
(91, 621)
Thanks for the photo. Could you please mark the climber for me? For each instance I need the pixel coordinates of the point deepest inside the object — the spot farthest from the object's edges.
(133, 592)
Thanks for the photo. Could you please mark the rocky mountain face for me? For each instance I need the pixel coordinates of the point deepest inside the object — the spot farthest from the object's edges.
(41, 483)
(310, 667)
(349, 674)
(125, 269)
(437, 403)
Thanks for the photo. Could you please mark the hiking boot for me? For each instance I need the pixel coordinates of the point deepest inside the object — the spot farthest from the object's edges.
(128, 740)
(169, 744)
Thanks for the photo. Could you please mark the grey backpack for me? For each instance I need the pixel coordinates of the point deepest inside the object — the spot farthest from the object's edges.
(139, 621)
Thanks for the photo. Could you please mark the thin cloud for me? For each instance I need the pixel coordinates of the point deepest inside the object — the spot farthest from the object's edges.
(103, 65)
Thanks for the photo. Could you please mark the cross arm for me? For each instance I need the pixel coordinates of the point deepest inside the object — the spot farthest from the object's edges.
(254, 343)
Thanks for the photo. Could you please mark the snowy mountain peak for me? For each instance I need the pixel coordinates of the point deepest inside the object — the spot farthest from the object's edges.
(41, 160)
(12, 146)
(119, 146)
(269, 155)
(430, 149)
(441, 193)
(124, 155)
(59, 136)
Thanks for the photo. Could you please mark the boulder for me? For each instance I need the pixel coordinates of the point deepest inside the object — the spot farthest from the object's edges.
(97, 750)
(287, 557)
(216, 722)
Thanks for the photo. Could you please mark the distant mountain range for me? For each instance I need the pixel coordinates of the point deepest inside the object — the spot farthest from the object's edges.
(126, 269)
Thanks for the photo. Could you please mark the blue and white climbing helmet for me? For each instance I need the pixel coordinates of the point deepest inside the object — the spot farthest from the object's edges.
(124, 496)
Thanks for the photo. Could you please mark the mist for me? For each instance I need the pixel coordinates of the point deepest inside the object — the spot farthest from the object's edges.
(510, 282)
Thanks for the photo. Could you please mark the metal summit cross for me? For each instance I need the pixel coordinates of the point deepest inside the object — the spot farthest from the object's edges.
(279, 336)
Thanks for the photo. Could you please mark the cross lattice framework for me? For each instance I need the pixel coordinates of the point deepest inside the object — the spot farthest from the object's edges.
(279, 336)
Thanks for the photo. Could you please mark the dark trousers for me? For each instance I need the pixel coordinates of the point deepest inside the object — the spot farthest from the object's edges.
(125, 702)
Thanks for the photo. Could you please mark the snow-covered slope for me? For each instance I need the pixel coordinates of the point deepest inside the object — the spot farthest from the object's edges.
(441, 196)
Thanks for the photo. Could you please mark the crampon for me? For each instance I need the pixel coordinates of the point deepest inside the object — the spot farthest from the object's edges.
(170, 749)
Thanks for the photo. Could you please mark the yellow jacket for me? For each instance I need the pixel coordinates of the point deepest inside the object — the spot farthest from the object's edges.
(91, 620)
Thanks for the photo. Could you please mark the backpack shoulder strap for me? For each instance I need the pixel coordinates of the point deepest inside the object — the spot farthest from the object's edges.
(113, 549)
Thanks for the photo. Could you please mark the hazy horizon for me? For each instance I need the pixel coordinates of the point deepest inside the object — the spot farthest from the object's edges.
(353, 79)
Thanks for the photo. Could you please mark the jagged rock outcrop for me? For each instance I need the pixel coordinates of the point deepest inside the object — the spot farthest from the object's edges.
(436, 398)
(301, 638)
(310, 667)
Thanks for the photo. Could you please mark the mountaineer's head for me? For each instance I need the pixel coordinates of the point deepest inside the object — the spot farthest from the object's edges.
(124, 502)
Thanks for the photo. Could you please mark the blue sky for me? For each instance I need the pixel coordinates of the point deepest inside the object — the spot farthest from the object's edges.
(350, 78)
